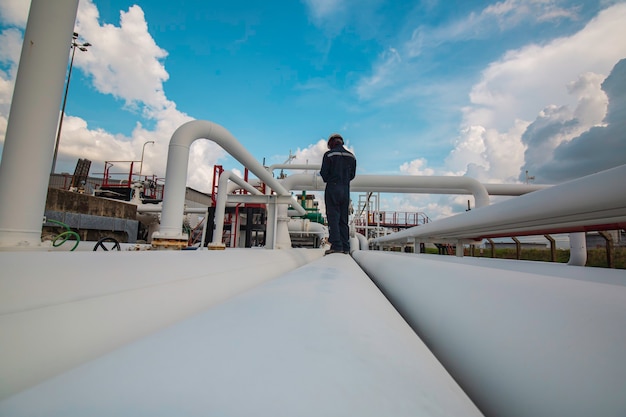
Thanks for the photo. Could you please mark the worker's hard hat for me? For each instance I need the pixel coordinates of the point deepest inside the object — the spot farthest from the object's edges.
(333, 139)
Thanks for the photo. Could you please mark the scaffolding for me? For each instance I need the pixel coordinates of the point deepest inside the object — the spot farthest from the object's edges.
(372, 222)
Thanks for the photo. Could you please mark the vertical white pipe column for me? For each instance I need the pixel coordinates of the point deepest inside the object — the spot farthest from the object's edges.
(220, 204)
(282, 239)
(34, 114)
(577, 249)
(270, 229)
(459, 248)
(363, 243)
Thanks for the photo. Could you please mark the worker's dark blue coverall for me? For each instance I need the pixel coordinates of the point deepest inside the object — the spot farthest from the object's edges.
(338, 169)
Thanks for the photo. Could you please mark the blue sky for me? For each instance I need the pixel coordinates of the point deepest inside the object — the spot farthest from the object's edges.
(487, 89)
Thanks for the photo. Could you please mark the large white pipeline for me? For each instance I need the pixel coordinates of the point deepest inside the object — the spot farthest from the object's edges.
(396, 183)
(363, 243)
(522, 338)
(320, 340)
(62, 309)
(303, 167)
(589, 203)
(34, 115)
(419, 184)
(178, 161)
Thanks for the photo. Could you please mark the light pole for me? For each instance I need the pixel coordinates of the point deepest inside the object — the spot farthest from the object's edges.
(142, 151)
(82, 47)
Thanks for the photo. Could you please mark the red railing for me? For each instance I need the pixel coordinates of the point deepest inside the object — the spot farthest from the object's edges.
(125, 177)
(396, 219)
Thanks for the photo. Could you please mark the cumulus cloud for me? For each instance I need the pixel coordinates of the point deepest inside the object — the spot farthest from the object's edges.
(526, 80)
(136, 78)
(536, 98)
(416, 167)
(598, 148)
(545, 109)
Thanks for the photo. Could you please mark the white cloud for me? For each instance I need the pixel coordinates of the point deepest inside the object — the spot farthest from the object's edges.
(553, 84)
(594, 148)
(136, 77)
(312, 154)
(492, 19)
(14, 12)
(541, 108)
(416, 167)
(383, 74)
(526, 80)
(323, 9)
(513, 12)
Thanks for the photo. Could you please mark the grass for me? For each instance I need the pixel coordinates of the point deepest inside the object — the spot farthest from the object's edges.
(596, 257)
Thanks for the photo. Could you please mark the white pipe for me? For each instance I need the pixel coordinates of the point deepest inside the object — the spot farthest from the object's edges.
(59, 310)
(523, 339)
(305, 226)
(492, 189)
(152, 208)
(176, 171)
(396, 183)
(513, 189)
(363, 243)
(321, 340)
(33, 120)
(354, 243)
(586, 203)
(299, 225)
(233, 186)
(305, 167)
(577, 249)
(220, 203)
(260, 199)
(281, 236)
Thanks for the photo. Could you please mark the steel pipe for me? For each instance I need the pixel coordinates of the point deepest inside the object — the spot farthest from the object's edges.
(577, 249)
(59, 310)
(588, 203)
(523, 339)
(178, 161)
(320, 340)
(33, 119)
(396, 183)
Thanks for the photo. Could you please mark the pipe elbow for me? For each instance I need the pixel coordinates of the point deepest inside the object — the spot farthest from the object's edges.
(478, 190)
(187, 133)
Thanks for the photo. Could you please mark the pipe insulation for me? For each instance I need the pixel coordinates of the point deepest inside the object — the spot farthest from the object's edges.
(59, 310)
(306, 182)
(178, 161)
(320, 340)
(577, 249)
(587, 203)
(522, 338)
(396, 183)
(33, 120)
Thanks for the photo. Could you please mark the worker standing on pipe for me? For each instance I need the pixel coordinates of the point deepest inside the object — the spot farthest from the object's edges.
(338, 169)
